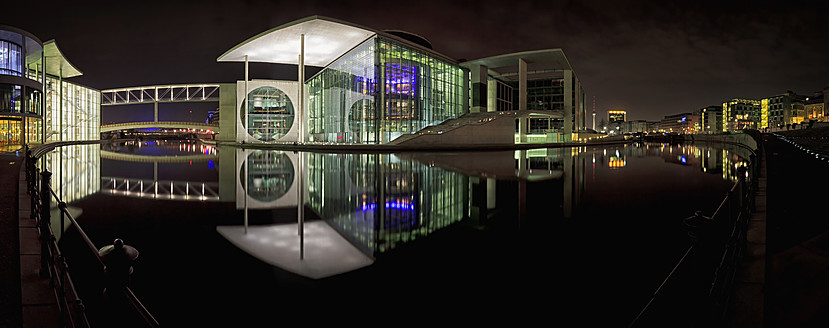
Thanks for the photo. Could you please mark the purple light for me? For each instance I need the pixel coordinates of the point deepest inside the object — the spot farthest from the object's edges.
(389, 205)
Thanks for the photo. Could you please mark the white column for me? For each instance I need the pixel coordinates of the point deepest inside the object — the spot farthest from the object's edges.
(245, 106)
(523, 122)
(522, 84)
(300, 117)
(569, 109)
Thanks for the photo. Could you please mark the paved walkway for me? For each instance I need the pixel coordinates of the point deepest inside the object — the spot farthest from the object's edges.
(797, 275)
(26, 299)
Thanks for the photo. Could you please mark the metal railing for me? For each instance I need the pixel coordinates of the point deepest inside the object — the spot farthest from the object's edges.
(54, 264)
(697, 292)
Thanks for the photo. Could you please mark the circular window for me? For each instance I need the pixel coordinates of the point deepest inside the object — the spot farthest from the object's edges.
(361, 120)
(271, 175)
(269, 114)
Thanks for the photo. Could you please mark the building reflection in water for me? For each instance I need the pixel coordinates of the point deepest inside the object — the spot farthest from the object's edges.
(352, 208)
(76, 174)
(367, 204)
(76, 171)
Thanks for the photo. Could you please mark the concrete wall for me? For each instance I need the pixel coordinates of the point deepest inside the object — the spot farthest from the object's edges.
(740, 138)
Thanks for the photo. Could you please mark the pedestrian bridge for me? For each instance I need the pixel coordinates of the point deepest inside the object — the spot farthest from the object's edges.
(159, 124)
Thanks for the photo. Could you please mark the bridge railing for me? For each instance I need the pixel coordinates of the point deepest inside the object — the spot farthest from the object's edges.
(698, 290)
(54, 264)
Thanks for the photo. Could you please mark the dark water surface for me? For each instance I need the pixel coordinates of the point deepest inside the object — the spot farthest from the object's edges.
(564, 235)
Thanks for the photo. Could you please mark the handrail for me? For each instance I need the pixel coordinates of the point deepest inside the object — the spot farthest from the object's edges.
(41, 200)
(664, 282)
(64, 211)
(730, 247)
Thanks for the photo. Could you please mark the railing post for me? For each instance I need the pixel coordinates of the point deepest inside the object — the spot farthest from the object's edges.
(117, 259)
(44, 223)
(704, 236)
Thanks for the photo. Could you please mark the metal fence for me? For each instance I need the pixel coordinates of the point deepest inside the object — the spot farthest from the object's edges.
(699, 289)
(114, 259)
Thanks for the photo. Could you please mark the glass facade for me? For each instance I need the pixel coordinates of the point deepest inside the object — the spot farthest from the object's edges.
(381, 90)
(11, 58)
(73, 112)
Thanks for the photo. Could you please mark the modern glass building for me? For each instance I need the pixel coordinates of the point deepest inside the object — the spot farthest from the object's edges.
(21, 93)
(741, 114)
(36, 103)
(377, 86)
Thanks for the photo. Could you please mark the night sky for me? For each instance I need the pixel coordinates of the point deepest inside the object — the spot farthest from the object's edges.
(649, 58)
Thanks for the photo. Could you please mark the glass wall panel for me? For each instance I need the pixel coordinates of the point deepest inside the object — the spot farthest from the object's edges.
(11, 58)
(342, 99)
(72, 112)
(10, 128)
(380, 91)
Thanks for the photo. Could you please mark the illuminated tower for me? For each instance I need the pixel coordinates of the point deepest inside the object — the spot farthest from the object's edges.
(594, 113)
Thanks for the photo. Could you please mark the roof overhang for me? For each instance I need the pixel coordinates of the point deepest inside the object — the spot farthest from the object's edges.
(541, 61)
(56, 63)
(326, 40)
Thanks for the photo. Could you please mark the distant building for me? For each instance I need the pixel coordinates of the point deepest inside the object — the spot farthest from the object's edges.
(685, 123)
(782, 110)
(711, 119)
(213, 117)
(814, 107)
(741, 114)
(616, 116)
(635, 126)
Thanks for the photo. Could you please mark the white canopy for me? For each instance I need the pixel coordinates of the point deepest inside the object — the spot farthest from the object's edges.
(326, 39)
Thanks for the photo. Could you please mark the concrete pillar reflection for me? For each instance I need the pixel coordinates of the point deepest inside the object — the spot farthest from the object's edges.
(522, 129)
(568, 183)
(490, 193)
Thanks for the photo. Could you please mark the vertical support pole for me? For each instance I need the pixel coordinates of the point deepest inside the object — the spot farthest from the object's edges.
(568, 104)
(43, 94)
(522, 84)
(479, 89)
(60, 106)
(522, 100)
(45, 221)
(301, 87)
(155, 111)
(245, 108)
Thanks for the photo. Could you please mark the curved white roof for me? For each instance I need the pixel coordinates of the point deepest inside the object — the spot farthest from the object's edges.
(326, 39)
(56, 62)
